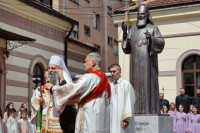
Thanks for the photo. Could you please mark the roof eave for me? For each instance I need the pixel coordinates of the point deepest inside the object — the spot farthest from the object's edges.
(48, 10)
(161, 7)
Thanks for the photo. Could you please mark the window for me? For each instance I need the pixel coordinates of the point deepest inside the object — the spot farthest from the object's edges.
(191, 74)
(109, 10)
(75, 1)
(75, 32)
(38, 76)
(45, 2)
(87, 30)
(110, 41)
(96, 21)
(116, 48)
(97, 48)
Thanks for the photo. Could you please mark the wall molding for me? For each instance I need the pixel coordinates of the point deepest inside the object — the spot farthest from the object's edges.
(10, 82)
(31, 26)
(16, 68)
(14, 98)
(167, 73)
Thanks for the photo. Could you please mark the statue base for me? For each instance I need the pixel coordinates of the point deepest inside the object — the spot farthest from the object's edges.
(153, 123)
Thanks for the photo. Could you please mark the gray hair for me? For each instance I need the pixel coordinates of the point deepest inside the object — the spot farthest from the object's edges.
(96, 57)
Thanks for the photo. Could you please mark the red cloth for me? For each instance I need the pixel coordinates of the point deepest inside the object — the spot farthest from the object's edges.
(43, 87)
(99, 89)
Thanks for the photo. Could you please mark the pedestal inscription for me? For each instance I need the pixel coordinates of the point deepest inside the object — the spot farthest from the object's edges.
(153, 124)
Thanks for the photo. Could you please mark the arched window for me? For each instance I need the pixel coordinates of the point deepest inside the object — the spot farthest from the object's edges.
(191, 74)
(38, 76)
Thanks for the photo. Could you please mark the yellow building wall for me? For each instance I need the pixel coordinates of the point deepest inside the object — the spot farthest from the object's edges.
(20, 8)
(48, 44)
(172, 21)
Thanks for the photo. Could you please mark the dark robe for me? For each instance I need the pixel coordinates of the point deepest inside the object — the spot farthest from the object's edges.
(144, 67)
(67, 118)
(164, 102)
(185, 101)
(196, 101)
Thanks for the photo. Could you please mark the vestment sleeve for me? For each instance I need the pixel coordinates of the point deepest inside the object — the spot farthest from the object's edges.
(73, 92)
(129, 102)
(35, 105)
(8, 126)
(158, 43)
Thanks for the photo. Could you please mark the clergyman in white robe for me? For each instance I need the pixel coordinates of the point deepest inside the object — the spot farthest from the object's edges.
(122, 106)
(50, 119)
(92, 116)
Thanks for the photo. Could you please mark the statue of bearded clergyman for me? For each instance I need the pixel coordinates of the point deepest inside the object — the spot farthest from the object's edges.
(144, 42)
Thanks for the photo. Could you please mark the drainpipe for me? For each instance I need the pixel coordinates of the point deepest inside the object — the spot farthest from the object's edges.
(66, 41)
(64, 7)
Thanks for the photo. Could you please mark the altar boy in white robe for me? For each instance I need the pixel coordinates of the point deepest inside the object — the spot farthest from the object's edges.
(92, 93)
(122, 103)
(12, 124)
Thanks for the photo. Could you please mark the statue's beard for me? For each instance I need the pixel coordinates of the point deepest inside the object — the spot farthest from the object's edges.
(141, 23)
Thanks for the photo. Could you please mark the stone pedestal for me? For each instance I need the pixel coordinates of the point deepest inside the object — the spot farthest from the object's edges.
(149, 123)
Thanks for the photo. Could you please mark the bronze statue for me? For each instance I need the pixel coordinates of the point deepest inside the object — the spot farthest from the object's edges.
(144, 42)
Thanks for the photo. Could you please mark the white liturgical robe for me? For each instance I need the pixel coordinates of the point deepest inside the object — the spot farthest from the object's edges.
(92, 116)
(12, 125)
(49, 120)
(122, 107)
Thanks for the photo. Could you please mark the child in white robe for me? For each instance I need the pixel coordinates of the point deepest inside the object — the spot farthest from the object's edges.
(20, 113)
(6, 115)
(32, 128)
(12, 124)
(24, 124)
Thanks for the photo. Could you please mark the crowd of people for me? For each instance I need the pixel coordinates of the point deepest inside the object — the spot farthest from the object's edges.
(186, 117)
(103, 106)
(13, 122)
(98, 100)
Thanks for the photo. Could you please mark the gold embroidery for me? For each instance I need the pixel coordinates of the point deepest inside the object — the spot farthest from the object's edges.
(51, 131)
(59, 97)
(64, 91)
(82, 120)
(115, 89)
(128, 115)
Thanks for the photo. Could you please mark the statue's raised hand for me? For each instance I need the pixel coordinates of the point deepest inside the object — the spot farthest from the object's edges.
(124, 29)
